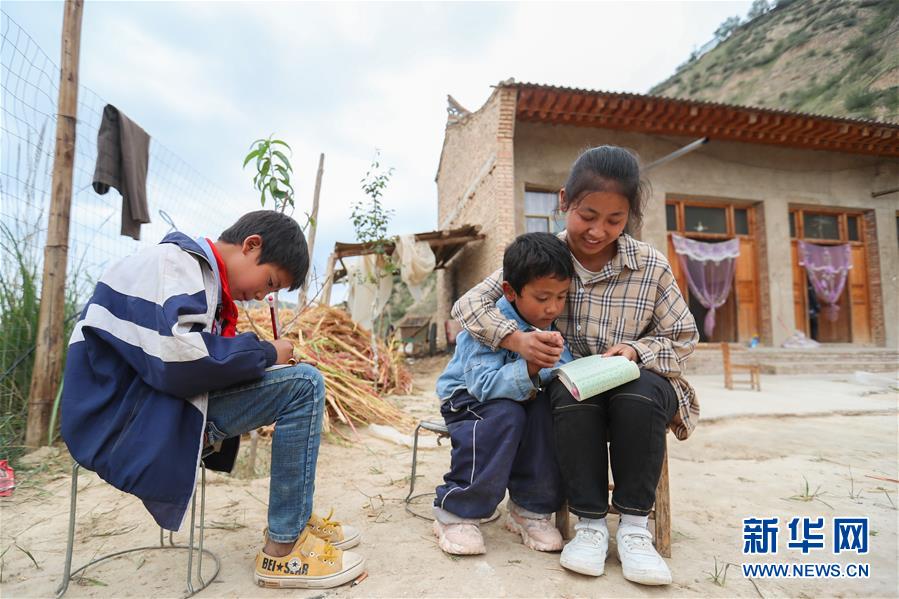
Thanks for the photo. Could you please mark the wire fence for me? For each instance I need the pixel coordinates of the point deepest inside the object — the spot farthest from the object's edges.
(178, 196)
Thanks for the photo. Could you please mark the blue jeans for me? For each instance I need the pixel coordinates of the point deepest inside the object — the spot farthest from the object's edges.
(294, 399)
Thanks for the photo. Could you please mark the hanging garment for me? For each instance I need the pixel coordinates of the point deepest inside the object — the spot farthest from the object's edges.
(710, 272)
(416, 260)
(827, 267)
(370, 288)
(123, 155)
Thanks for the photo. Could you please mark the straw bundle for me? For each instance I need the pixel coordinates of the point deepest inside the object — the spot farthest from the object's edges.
(358, 375)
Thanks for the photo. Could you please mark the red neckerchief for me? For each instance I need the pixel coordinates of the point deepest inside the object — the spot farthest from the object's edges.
(229, 308)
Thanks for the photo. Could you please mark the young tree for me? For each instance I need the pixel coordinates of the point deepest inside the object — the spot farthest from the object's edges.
(273, 171)
(726, 28)
(758, 8)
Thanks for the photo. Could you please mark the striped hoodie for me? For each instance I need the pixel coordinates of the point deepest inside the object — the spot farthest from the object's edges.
(141, 360)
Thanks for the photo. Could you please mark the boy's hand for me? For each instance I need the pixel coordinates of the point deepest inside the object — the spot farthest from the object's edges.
(540, 348)
(621, 349)
(285, 350)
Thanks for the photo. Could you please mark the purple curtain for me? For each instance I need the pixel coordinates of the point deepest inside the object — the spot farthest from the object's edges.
(710, 271)
(827, 267)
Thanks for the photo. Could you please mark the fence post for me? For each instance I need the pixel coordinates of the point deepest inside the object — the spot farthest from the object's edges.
(50, 343)
(312, 226)
(325, 299)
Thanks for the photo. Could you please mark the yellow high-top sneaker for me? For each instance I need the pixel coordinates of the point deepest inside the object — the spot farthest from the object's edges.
(311, 564)
(342, 536)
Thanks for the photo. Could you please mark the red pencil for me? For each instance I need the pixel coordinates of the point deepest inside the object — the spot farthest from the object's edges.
(272, 307)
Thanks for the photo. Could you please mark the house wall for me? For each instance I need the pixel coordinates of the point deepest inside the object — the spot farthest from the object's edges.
(474, 186)
(773, 177)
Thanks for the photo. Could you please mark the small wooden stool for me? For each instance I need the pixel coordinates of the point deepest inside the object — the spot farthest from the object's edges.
(661, 513)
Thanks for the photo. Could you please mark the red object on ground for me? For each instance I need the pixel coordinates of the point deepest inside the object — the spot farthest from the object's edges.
(7, 479)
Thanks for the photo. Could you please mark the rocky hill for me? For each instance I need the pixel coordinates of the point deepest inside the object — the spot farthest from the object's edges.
(836, 57)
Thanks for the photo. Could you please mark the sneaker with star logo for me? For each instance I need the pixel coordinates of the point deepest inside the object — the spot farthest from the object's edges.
(312, 564)
(342, 536)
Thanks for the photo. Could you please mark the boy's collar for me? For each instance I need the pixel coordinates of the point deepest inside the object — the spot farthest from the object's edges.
(509, 310)
(187, 244)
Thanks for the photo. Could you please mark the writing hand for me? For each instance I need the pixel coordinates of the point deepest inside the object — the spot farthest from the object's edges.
(285, 350)
(540, 348)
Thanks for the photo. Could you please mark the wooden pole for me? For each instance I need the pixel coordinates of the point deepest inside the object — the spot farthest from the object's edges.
(329, 280)
(50, 343)
(312, 226)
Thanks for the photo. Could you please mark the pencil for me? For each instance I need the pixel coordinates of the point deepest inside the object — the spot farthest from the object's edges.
(272, 303)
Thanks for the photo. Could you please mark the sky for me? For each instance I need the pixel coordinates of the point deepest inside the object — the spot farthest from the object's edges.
(207, 78)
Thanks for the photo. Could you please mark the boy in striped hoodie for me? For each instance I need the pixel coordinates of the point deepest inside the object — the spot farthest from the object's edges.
(157, 379)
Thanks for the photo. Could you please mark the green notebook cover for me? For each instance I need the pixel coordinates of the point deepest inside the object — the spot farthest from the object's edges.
(592, 375)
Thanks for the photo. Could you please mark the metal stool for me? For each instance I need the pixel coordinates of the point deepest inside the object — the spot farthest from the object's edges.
(191, 590)
(442, 433)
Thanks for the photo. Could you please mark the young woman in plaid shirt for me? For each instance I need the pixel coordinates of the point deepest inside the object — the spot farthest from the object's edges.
(623, 301)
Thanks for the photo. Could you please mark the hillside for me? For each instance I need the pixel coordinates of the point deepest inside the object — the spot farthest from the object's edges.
(833, 57)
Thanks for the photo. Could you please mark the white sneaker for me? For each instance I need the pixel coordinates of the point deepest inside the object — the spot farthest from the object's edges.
(640, 562)
(586, 552)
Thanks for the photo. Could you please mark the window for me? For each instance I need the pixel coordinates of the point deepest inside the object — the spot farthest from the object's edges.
(705, 220)
(708, 220)
(671, 217)
(741, 221)
(826, 227)
(821, 226)
(852, 228)
(541, 212)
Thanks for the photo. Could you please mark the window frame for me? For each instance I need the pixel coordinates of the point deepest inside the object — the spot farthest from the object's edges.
(681, 204)
(549, 218)
(843, 214)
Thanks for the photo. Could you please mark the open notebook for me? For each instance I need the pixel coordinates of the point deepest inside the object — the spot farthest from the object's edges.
(592, 375)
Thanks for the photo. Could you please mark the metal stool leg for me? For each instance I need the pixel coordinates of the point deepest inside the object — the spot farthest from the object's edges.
(191, 589)
(414, 462)
(64, 585)
(190, 544)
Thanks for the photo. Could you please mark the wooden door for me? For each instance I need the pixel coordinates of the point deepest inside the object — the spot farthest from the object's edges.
(839, 330)
(800, 293)
(746, 291)
(853, 324)
(859, 301)
(738, 318)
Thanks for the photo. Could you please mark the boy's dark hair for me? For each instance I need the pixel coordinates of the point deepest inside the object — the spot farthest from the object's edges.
(608, 168)
(535, 255)
(283, 242)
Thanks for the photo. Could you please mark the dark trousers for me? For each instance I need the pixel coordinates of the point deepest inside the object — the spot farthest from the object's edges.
(499, 444)
(629, 424)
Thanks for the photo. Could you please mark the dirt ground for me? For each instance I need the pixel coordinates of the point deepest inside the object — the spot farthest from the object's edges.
(764, 464)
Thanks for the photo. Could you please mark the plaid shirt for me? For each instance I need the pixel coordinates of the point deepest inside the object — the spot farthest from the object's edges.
(634, 300)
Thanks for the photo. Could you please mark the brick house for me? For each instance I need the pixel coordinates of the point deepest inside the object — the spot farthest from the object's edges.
(765, 176)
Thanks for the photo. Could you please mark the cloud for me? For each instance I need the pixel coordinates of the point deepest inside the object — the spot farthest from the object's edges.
(205, 79)
(137, 67)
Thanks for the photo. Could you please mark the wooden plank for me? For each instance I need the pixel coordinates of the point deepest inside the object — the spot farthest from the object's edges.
(859, 295)
(800, 300)
(50, 344)
(746, 290)
(663, 510)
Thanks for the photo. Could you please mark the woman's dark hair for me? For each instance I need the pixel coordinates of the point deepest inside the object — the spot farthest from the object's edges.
(535, 255)
(608, 168)
(283, 242)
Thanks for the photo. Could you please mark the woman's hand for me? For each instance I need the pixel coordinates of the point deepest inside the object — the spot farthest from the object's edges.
(539, 348)
(621, 349)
